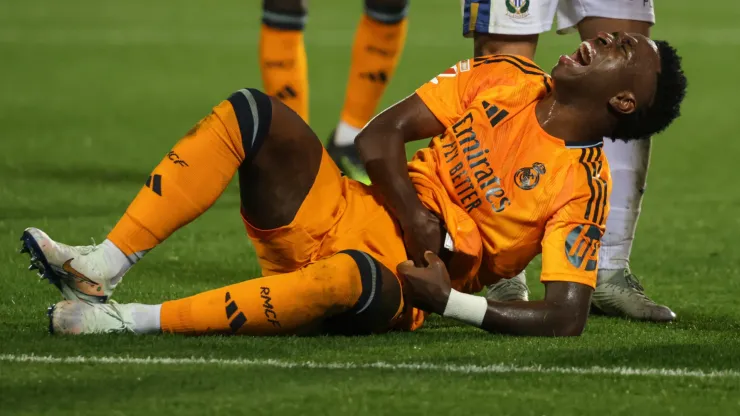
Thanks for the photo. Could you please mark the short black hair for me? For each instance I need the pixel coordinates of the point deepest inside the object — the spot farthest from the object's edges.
(670, 91)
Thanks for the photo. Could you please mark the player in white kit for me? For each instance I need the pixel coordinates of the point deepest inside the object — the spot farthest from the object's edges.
(512, 27)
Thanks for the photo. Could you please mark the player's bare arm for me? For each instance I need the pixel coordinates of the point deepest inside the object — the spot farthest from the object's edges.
(381, 146)
(563, 311)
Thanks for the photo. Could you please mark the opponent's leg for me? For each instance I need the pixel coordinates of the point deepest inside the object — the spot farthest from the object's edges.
(497, 44)
(349, 292)
(377, 47)
(618, 292)
(282, 53)
(502, 27)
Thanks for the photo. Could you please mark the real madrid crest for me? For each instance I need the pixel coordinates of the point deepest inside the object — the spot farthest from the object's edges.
(517, 9)
(528, 178)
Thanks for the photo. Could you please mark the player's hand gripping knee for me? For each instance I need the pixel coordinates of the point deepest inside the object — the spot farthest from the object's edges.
(422, 232)
(426, 288)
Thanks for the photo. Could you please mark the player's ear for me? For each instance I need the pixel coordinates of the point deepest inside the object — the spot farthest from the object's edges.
(624, 102)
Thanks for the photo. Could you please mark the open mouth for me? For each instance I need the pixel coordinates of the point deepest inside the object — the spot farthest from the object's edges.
(583, 56)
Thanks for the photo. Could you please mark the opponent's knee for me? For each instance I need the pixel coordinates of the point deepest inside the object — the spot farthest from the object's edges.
(253, 110)
(379, 301)
(386, 11)
(284, 14)
(497, 44)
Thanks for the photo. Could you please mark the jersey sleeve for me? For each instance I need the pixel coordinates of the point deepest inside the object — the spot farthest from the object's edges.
(446, 95)
(570, 247)
(502, 77)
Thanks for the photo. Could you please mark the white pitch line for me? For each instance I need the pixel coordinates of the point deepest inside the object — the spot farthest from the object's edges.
(450, 368)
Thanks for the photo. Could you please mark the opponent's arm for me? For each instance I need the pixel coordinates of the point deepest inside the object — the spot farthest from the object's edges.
(381, 147)
(563, 312)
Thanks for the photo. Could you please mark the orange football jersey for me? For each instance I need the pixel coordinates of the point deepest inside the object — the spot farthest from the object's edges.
(506, 189)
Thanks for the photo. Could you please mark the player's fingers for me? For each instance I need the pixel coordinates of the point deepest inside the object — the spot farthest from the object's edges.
(406, 267)
(434, 261)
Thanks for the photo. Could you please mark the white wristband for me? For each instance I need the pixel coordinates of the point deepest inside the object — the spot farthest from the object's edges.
(470, 309)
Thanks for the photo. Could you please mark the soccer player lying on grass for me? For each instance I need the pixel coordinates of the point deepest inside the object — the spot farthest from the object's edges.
(516, 168)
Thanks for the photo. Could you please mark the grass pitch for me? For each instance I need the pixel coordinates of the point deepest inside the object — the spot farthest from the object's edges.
(92, 94)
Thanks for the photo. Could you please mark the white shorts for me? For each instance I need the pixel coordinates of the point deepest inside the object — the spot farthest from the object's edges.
(529, 17)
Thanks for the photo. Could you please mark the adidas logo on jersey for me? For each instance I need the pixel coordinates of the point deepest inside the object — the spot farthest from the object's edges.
(493, 113)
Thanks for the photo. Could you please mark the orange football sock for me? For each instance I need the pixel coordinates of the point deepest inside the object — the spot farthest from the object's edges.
(282, 56)
(375, 53)
(293, 303)
(194, 173)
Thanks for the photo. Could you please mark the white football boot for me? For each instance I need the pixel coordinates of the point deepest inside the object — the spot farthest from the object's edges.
(619, 293)
(87, 273)
(509, 290)
(76, 317)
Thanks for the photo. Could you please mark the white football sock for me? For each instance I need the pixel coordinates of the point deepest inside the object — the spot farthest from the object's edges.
(345, 134)
(629, 163)
(118, 260)
(146, 318)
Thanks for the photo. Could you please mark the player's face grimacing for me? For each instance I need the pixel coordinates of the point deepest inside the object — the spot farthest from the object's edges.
(620, 68)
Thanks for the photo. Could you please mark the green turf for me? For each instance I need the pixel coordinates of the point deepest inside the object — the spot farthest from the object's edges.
(92, 94)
